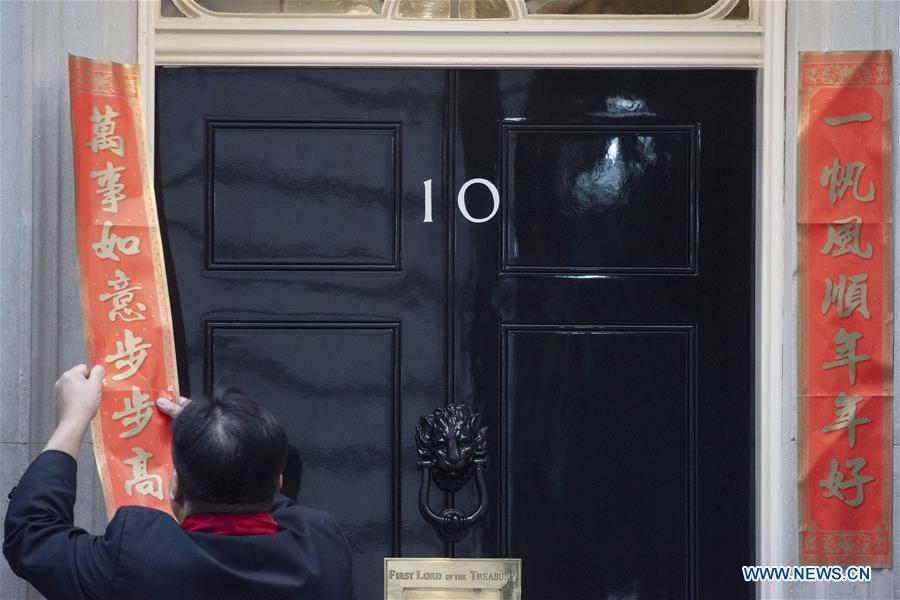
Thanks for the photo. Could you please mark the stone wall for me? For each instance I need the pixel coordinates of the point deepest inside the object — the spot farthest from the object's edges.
(821, 26)
(40, 313)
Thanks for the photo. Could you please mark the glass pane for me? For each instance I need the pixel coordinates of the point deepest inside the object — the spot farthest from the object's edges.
(741, 11)
(301, 7)
(484, 9)
(167, 8)
(454, 9)
(617, 7)
(424, 9)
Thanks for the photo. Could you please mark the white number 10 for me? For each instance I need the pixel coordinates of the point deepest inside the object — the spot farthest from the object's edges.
(461, 200)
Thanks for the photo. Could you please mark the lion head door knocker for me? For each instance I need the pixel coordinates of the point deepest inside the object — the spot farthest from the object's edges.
(452, 447)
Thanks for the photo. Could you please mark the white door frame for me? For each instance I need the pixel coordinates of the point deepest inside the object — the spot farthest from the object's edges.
(556, 43)
(772, 296)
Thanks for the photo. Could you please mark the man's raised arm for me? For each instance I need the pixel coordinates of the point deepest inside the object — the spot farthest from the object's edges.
(41, 542)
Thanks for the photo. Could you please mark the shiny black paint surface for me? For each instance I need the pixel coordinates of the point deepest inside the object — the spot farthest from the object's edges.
(590, 465)
(606, 308)
(279, 200)
(296, 275)
(602, 321)
(328, 373)
(575, 194)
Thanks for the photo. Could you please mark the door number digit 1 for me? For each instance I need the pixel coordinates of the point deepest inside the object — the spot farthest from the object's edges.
(461, 200)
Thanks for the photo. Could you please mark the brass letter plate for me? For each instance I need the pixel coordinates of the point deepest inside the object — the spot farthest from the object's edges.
(452, 578)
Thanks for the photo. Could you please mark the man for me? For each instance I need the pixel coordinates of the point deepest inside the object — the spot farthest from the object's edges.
(235, 536)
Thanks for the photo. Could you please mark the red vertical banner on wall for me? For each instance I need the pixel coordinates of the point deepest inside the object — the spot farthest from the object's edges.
(124, 295)
(845, 311)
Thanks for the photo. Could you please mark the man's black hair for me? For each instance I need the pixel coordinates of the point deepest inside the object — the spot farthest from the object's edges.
(228, 449)
(293, 473)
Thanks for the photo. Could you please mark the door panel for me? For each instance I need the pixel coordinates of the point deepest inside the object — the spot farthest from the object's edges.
(602, 320)
(337, 173)
(291, 203)
(586, 198)
(329, 374)
(603, 324)
(577, 480)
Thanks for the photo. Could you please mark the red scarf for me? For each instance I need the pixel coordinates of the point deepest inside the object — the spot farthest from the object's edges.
(260, 523)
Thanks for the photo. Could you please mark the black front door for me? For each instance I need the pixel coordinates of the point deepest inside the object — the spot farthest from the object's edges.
(590, 293)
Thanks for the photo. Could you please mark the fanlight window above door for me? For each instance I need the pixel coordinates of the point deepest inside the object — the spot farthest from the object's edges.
(692, 10)
(513, 33)
(190, 8)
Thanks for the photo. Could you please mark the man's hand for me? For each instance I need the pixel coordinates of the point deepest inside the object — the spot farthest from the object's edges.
(78, 395)
(172, 409)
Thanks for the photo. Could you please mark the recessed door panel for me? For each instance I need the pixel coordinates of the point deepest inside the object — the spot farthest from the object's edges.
(282, 195)
(313, 376)
(583, 467)
(586, 198)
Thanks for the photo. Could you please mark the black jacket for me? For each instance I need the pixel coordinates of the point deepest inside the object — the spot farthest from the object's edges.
(145, 553)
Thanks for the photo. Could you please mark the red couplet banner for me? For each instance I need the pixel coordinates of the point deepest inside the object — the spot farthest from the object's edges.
(845, 287)
(123, 283)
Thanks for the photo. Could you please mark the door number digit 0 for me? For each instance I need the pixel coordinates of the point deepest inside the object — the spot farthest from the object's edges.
(461, 199)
